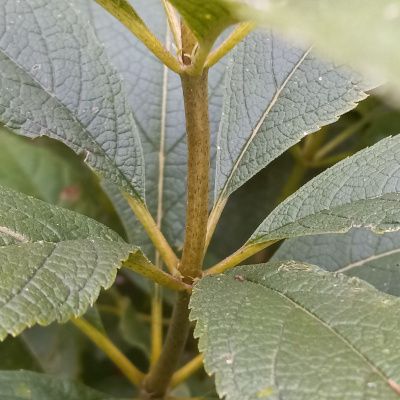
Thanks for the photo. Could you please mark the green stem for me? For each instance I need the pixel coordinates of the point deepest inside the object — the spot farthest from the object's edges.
(125, 13)
(236, 258)
(156, 324)
(198, 138)
(147, 269)
(126, 367)
(229, 43)
(156, 383)
(187, 370)
(154, 233)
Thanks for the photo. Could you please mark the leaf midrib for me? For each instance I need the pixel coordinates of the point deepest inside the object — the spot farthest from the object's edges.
(260, 122)
(366, 260)
(315, 317)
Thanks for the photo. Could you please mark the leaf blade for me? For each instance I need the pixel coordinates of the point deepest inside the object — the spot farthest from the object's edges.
(280, 326)
(275, 94)
(361, 191)
(359, 252)
(72, 95)
(53, 262)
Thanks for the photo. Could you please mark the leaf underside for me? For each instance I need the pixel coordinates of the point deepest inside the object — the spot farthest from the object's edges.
(55, 80)
(361, 191)
(272, 331)
(359, 252)
(276, 93)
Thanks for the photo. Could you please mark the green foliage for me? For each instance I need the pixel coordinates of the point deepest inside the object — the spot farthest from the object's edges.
(290, 330)
(361, 191)
(53, 262)
(206, 18)
(70, 94)
(320, 321)
(275, 95)
(360, 252)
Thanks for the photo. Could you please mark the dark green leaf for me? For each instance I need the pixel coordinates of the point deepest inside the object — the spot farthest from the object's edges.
(293, 331)
(359, 252)
(275, 95)
(361, 191)
(59, 83)
(53, 262)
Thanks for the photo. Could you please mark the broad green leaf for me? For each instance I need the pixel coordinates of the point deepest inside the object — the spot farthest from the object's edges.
(359, 252)
(156, 98)
(59, 83)
(361, 191)
(275, 95)
(23, 385)
(206, 18)
(51, 172)
(362, 33)
(53, 262)
(293, 331)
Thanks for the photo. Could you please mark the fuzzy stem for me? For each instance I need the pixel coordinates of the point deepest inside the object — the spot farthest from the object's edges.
(157, 381)
(198, 137)
(126, 367)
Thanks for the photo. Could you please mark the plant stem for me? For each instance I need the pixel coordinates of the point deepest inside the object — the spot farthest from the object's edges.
(157, 381)
(237, 257)
(125, 13)
(213, 219)
(187, 370)
(229, 43)
(147, 269)
(198, 138)
(126, 367)
(154, 233)
(156, 324)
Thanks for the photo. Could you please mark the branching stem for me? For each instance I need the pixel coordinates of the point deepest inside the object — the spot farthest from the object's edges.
(236, 258)
(241, 31)
(125, 13)
(154, 233)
